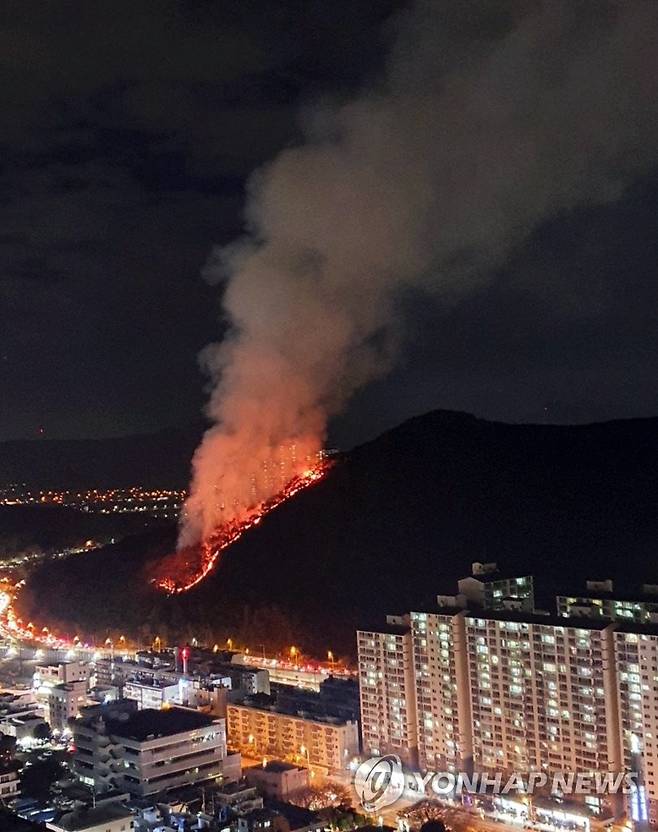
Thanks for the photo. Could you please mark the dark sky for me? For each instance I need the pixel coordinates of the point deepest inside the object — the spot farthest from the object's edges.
(128, 131)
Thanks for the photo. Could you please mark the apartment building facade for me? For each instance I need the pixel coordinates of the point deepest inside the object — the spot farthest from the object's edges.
(327, 743)
(636, 654)
(389, 722)
(506, 690)
(445, 741)
(146, 752)
(543, 695)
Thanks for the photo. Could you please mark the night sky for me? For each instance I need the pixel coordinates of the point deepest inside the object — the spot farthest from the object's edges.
(128, 132)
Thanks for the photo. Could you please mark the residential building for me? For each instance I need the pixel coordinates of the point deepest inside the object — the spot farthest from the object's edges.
(147, 751)
(64, 702)
(60, 691)
(441, 687)
(22, 727)
(59, 673)
(636, 656)
(466, 687)
(10, 785)
(151, 693)
(543, 693)
(108, 817)
(277, 779)
(239, 797)
(324, 742)
(600, 600)
(487, 589)
(388, 690)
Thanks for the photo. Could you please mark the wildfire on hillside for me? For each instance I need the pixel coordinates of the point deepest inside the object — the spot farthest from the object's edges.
(184, 569)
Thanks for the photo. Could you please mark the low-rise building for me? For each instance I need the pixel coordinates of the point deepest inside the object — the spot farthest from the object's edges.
(64, 702)
(326, 742)
(149, 751)
(10, 785)
(238, 797)
(61, 672)
(22, 727)
(109, 817)
(278, 779)
(152, 693)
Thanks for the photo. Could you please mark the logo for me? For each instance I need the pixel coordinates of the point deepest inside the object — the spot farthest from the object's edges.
(379, 782)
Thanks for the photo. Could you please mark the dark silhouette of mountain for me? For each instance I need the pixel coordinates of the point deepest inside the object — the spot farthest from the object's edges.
(156, 459)
(395, 522)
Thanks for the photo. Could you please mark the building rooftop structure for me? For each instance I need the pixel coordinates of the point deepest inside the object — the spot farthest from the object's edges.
(87, 818)
(150, 723)
(278, 766)
(263, 702)
(545, 619)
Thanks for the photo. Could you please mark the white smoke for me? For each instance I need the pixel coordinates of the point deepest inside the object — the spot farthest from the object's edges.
(486, 125)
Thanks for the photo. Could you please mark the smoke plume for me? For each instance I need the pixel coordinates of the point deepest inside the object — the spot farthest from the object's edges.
(491, 119)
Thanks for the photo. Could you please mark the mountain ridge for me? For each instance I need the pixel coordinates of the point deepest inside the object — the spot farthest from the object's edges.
(395, 522)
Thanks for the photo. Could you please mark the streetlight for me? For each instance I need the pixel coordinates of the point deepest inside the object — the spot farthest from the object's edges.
(229, 643)
(294, 653)
(157, 643)
(330, 658)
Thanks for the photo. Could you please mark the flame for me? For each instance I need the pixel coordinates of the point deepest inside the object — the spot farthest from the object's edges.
(188, 567)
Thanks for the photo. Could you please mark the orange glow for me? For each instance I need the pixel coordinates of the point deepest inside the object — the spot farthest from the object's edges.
(185, 569)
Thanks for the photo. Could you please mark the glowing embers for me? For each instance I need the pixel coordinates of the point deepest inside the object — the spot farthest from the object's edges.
(186, 568)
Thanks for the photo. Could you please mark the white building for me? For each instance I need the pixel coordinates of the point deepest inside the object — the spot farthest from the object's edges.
(441, 687)
(148, 751)
(152, 693)
(543, 694)
(60, 691)
(636, 651)
(387, 685)
(64, 703)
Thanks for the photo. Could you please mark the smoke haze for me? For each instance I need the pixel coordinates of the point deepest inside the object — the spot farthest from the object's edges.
(486, 125)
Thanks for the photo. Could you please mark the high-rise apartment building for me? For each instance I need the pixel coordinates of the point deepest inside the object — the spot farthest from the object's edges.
(543, 694)
(466, 686)
(636, 656)
(388, 690)
(601, 600)
(487, 589)
(441, 689)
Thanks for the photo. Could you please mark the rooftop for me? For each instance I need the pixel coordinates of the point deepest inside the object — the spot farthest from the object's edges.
(278, 766)
(254, 703)
(495, 577)
(516, 616)
(638, 597)
(386, 629)
(151, 723)
(297, 816)
(636, 627)
(87, 818)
